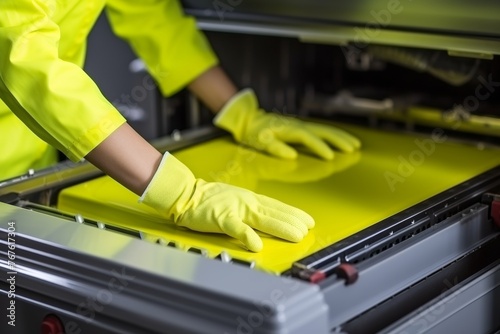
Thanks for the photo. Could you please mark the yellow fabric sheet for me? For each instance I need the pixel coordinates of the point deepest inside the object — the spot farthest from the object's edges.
(392, 172)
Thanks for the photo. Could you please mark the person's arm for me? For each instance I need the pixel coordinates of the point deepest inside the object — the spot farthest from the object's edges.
(213, 88)
(177, 54)
(239, 113)
(174, 51)
(168, 186)
(128, 158)
(64, 107)
(56, 99)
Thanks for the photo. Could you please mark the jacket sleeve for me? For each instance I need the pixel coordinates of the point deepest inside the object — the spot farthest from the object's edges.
(168, 41)
(54, 98)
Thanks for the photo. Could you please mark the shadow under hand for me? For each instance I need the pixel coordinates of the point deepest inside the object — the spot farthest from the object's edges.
(262, 167)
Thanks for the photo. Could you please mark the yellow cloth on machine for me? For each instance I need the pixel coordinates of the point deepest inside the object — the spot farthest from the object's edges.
(392, 172)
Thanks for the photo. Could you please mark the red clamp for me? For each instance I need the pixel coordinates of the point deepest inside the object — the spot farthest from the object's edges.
(311, 275)
(52, 325)
(348, 272)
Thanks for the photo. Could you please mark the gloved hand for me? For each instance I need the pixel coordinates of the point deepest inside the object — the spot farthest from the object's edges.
(221, 208)
(270, 132)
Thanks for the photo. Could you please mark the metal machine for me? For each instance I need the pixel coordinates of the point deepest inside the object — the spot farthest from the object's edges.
(407, 236)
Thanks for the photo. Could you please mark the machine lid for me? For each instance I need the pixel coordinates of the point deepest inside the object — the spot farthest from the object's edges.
(462, 28)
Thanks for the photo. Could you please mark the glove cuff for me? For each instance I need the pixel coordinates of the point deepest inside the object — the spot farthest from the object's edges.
(170, 189)
(237, 112)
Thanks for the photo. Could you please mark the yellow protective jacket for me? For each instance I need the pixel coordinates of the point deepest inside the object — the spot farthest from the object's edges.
(42, 49)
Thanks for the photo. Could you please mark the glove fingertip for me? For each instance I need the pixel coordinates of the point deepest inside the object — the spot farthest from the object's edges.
(250, 239)
(357, 143)
(328, 155)
(253, 242)
(348, 149)
(290, 155)
(283, 151)
(353, 144)
(308, 220)
(237, 229)
(305, 218)
(310, 224)
(297, 237)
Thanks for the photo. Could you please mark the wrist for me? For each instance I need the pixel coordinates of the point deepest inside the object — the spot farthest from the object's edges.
(237, 113)
(213, 88)
(171, 188)
(126, 157)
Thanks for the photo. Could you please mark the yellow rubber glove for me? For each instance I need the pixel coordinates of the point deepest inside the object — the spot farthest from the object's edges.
(221, 208)
(270, 132)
